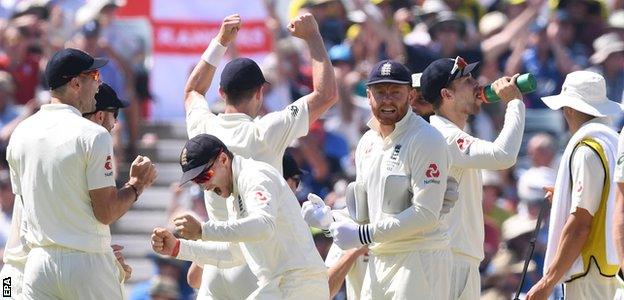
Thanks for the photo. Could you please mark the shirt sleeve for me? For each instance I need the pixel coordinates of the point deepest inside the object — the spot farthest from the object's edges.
(618, 175)
(428, 167)
(587, 180)
(13, 173)
(99, 169)
(469, 152)
(219, 254)
(258, 222)
(198, 116)
(282, 127)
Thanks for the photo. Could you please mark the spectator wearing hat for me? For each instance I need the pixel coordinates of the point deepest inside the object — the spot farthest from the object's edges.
(581, 251)
(286, 263)
(455, 95)
(608, 61)
(68, 218)
(265, 139)
(616, 23)
(10, 114)
(406, 229)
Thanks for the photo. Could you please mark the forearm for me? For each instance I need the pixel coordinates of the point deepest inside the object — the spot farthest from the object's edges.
(573, 238)
(201, 77)
(118, 203)
(221, 255)
(323, 80)
(249, 229)
(410, 221)
(338, 272)
(562, 59)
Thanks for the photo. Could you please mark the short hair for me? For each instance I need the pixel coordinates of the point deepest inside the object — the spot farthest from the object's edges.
(237, 97)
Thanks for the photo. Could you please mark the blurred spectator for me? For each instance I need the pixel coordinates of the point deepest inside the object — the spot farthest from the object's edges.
(21, 59)
(10, 114)
(167, 269)
(6, 207)
(492, 201)
(616, 23)
(587, 17)
(542, 149)
(164, 288)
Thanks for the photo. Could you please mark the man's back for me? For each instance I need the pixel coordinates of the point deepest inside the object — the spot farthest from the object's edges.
(56, 156)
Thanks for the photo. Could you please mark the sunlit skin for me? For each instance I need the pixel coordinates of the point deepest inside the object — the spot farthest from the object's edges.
(389, 103)
(105, 119)
(89, 87)
(465, 92)
(221, 182)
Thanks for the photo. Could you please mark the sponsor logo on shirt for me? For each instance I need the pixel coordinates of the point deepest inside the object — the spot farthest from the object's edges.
(432, 173)
(463, 143)
(108, 166)
(394, 158)
(294, 111)
(580, 187)
(261, 197)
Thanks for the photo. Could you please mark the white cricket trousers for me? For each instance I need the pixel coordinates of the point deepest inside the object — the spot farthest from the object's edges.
(227, 284)
(301, 284)
(466, 280)
(422, 274)
(61, 273)
(591, 286)
(16, 273)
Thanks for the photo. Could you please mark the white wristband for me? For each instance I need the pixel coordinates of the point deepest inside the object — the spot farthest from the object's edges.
(214, 53)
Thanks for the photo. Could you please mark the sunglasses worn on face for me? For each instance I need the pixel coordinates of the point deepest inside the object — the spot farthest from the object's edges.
(205, 175)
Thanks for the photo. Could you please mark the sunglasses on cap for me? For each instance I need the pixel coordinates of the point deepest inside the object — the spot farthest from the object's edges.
(458, 69)
(115, 112)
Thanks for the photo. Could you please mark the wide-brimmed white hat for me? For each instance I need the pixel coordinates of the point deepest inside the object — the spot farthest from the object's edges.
(586, 92)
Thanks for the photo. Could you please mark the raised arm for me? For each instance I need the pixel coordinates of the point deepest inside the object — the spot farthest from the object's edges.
(201, 76)
(324, 93)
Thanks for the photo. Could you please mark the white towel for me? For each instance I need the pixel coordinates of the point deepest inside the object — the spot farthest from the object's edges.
(562, 199)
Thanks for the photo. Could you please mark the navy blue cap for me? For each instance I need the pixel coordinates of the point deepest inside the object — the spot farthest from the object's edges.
(106, 99)
(440, 73)
(198, 152)
(389, 71)
(290, 166)
(69, 63)
(241, 74)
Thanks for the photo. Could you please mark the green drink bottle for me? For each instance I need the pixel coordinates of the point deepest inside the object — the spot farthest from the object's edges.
(526, 83)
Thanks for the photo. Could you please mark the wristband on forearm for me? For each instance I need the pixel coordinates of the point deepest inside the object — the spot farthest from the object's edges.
(176, 249)
(214, 53)
(136, 191)
(365, 235)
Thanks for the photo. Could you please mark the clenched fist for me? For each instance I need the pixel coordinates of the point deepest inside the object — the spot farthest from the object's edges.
(188, 227)
(229, 29)
(506, 88)
(163, 241)
(304, 27)
(142, 173)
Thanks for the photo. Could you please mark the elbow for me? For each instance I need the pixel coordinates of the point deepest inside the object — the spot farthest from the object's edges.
(266, 229)
(329, 93)
(104, 217)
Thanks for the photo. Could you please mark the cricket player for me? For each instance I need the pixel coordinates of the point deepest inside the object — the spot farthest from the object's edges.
(449, 85)
(16, 250)
(274, 239)
(405, 180)
(264, 138)
(581, 250)
(61, 171)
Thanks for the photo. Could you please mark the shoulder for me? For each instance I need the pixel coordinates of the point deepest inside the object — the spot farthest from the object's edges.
(256, 171)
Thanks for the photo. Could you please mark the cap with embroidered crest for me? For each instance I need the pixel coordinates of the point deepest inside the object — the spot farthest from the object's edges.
(197, 154)
(389, 71)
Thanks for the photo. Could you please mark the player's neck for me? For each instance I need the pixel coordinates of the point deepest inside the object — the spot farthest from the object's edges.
(241, 109)
(457, 118)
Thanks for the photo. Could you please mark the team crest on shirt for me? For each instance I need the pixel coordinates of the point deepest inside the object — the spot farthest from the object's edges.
(108, 166)
(463, 143)
(294, 111)
(432, 173)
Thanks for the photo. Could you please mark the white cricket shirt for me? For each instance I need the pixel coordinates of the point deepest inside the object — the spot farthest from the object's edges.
(469, 155)
(415, 150)
(56, 156)
(618, 175)
(273, 236)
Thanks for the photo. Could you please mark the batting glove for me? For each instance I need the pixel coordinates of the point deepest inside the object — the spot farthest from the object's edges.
(348, 235)
(316, 213)
(450, 195)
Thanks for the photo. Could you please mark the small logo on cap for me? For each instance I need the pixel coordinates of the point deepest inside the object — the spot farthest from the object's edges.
(386, 69)
(183, 159)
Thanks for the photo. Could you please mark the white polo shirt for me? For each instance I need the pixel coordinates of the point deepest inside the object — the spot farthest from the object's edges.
(417, 151)
(56, 156)
(273, 236)
(263, 139)
(16, 250)
(470, 155)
